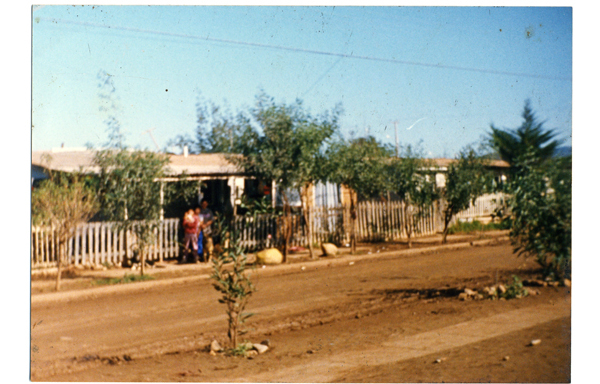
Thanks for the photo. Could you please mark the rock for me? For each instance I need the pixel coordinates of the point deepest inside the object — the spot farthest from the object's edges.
(215, 346)
(251, 353)
(501, 288)
(269, 256)
(470, 292)
(567, 282)
(479, 296)
(463, 296)
(506, 358)
(250, 258)
(329, 249)
(535, 342)
(266, 342)
(260, 348)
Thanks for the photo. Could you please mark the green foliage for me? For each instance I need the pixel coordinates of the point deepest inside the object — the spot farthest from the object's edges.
(408, 178)
(466, 180)
(130, 191)
(530, 136)
(359, 164)
(541, 213)
(126, 279)
(239, 350)
(218, 130)
(63, 202)
(231, 280)
(260, 206)
(477, 226)
(515, 289)
(287, 149)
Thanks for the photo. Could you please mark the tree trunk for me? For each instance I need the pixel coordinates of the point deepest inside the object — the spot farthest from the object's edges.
(447, 219)
(306, 214)
(288, 226)
(353, 228)
(408, 224)
(142, 260)
(61, 251)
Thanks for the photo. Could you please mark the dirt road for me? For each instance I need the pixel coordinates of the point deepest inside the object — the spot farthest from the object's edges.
(325, 323)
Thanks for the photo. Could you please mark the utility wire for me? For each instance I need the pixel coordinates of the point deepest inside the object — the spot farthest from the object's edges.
(324, 53)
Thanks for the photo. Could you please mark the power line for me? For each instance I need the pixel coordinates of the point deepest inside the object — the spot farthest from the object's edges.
(315, 52)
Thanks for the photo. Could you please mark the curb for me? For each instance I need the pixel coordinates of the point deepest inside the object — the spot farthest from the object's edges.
(53, 297)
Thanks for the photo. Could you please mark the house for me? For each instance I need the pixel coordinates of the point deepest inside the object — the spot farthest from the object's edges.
(223, 183)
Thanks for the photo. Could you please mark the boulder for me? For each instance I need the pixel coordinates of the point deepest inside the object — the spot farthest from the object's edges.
(215, 346)
(269, 256)
(261, 348)
(329, 249)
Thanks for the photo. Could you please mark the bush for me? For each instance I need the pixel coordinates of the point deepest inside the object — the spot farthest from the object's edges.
(515, 289)
(541, 215)
(232, 282)
(123, 280)
(477, 226)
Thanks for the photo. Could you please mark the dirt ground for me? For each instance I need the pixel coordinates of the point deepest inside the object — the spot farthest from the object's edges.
(379, 317)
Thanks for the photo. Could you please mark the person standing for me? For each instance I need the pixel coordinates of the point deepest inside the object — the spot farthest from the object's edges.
(200, 252)
(207, 219)
(190, 238)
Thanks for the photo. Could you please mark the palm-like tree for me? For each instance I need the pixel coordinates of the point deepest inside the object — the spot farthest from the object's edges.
(514, 143)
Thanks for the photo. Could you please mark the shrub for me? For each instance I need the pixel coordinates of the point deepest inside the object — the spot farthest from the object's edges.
(232, 282)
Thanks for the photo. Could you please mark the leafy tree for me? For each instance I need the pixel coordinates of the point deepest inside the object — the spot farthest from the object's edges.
(128, 182)
(232, 282)
(358, 164)
(511, 144)
(286, 149)
(409, 180)
(63, 202)
(466, 180)
(541, 213)
(130, 192)
(218, 131)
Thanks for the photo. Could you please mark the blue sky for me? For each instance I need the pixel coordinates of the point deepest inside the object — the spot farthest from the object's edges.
(452, 70)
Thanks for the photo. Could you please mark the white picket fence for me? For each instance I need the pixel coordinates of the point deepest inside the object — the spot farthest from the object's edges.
(483, 208)
(98, 243)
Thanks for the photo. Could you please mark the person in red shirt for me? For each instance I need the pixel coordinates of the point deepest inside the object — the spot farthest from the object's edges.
(190, 230)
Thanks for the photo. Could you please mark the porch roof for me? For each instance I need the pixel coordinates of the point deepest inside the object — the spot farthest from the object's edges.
(206, 164)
